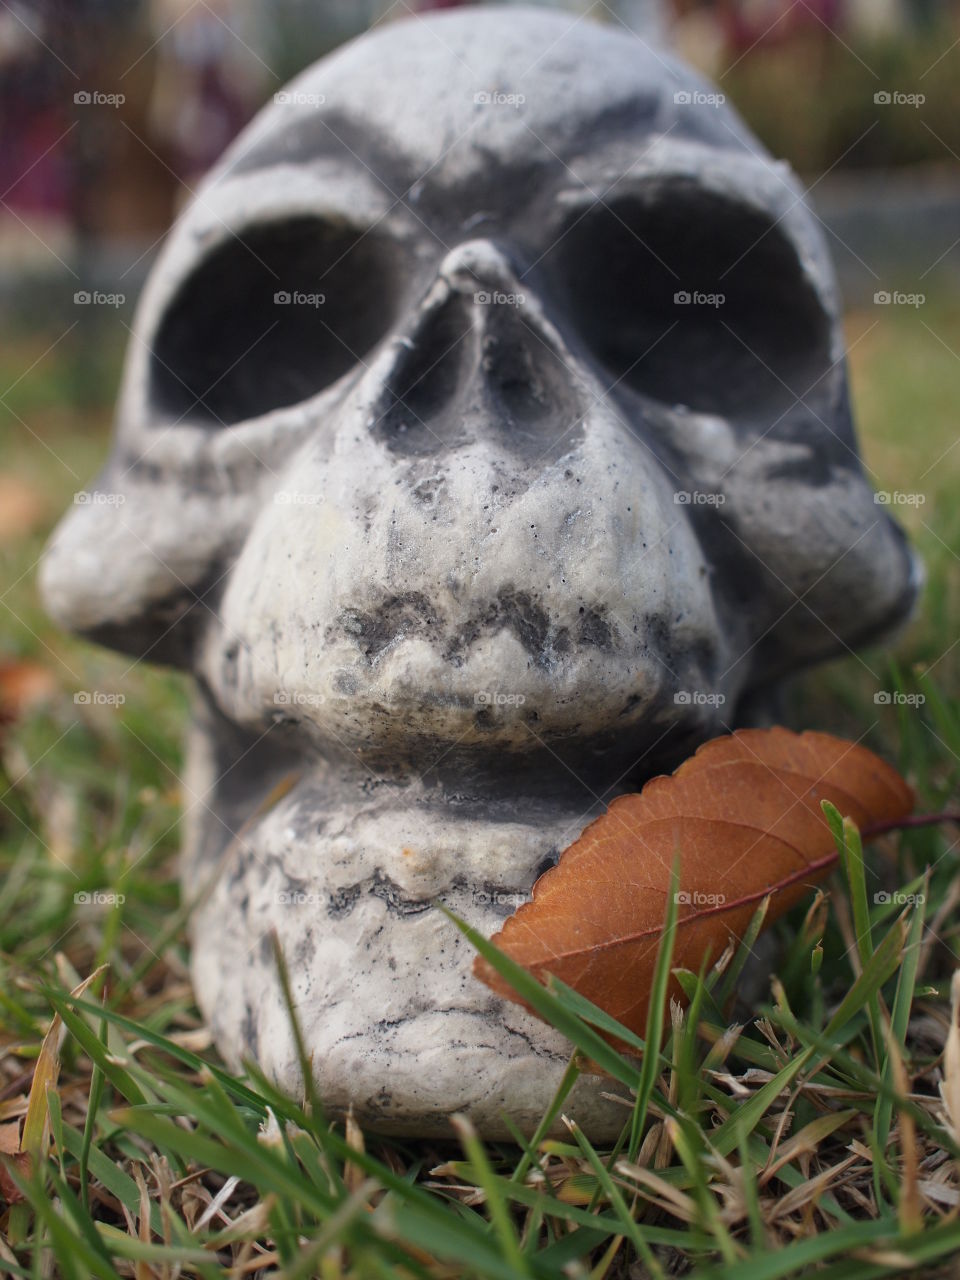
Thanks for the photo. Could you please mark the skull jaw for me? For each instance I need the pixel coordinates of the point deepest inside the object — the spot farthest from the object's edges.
(345, 870)
(397, 1027)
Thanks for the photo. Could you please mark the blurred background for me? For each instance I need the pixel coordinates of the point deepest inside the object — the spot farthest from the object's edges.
(111, 110)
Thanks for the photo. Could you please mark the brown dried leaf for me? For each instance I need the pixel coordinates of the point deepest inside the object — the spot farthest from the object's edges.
(23, 509)
(950, 1085)
(353, 1174)
(742, 817)
(10, 1149)
(23, 686)
(46, 1074)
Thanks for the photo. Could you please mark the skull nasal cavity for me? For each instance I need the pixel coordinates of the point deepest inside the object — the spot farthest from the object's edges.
(478, 368)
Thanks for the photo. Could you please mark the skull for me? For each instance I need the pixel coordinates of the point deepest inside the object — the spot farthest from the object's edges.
(485, 445)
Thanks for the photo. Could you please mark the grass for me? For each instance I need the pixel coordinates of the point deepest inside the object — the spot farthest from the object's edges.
(797, 1127)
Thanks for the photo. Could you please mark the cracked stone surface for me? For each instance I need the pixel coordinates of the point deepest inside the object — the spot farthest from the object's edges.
(485, 445)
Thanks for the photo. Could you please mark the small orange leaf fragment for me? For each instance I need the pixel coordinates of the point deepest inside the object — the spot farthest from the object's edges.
(46, 1074)
(23, 686)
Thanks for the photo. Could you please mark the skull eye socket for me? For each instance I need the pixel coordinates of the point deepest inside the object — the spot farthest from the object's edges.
(269, 319)
(696, 300)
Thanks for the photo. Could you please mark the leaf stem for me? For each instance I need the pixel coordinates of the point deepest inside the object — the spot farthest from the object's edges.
(914, 820)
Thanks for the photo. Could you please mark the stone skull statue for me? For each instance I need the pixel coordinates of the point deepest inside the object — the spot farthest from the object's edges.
(485, 445)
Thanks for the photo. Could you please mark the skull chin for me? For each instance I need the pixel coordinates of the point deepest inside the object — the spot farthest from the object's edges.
(500, 611)
(345, 870)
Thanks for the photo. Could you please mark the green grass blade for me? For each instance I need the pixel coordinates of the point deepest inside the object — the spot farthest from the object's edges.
(850, 848)
(90, 1121)
(569, 1079)
(656, 1012)
(628, 1224)
(96, 1051)
(728, 983)
(900, 1015)
(111, 1176)
(496, 1204)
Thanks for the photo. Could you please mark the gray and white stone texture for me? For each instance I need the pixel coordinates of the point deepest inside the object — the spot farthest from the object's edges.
(485, 445)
